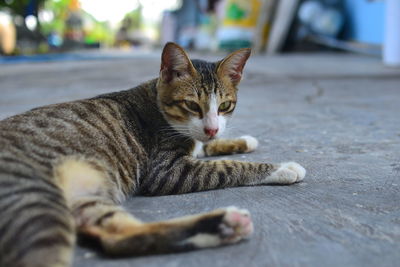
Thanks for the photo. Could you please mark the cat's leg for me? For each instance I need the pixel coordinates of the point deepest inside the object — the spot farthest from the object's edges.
(93, 200)
(120, 234)
(185, 174)
(36, 226)
(243, 144)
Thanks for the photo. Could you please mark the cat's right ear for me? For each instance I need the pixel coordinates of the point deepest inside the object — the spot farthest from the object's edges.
(232, 66)
(175, 63)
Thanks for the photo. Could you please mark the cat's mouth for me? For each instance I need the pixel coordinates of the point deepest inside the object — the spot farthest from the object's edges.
(211, 138)
(201, 137)
(194, 132)
(205, 138)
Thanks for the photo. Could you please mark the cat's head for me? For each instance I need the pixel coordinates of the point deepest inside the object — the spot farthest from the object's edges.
(195, 96)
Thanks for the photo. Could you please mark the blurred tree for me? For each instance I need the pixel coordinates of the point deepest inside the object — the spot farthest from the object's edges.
(23, 8)
(128, 31)
(59, 10)
(133, 19)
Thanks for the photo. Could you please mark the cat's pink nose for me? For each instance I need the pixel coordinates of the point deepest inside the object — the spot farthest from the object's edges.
(210, 132)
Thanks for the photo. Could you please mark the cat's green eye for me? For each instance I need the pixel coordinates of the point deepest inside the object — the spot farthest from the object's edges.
(225, 106)
(192, 106)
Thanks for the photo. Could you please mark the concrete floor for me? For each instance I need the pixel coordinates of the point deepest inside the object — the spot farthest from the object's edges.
(336, 114)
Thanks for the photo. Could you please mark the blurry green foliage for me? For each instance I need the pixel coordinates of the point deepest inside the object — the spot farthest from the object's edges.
(59, 8)
(98, 32)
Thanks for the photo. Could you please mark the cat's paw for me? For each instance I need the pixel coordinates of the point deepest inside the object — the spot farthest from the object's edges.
(287, 173)
(236, 225)
(221, 227)
(251, 143)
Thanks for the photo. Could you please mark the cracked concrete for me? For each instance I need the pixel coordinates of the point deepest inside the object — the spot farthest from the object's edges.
(336, 114)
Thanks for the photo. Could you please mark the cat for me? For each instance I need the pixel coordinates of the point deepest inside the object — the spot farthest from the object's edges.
(66, 168)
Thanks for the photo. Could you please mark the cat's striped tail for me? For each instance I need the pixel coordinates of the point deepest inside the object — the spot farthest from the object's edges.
(36, 226)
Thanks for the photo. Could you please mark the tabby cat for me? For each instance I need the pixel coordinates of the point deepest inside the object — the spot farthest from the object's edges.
(66, 168)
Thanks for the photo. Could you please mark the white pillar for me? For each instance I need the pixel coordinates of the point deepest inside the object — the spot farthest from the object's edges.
(391, 46)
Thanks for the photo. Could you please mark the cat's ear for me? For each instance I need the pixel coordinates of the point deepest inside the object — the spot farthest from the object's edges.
(232, 65)
(175, 63)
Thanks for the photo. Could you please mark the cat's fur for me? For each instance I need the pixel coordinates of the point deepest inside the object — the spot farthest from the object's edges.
(65, 168)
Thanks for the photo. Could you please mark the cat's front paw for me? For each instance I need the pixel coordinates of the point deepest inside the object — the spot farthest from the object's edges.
(287, 173)
(236, 225)
(251, 143)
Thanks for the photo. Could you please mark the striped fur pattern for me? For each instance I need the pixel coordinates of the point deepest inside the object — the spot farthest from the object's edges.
(66, 168)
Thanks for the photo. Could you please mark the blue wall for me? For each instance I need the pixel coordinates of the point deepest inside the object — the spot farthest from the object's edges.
(364, 21)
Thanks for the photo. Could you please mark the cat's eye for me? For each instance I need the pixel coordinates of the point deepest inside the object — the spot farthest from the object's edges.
(192, 106)
(177, 74)
(225, 106)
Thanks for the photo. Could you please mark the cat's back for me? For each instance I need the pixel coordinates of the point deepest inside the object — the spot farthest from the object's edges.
(93, 128)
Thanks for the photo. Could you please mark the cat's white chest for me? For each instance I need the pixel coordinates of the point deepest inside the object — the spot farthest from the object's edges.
(198, 151)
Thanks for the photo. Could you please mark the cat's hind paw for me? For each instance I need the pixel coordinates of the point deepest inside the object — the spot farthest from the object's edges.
(251, 143)
(287, 173)
(228, 226)
(236, 225)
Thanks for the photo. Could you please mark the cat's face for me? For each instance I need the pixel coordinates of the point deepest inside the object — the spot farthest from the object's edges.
(197, 97)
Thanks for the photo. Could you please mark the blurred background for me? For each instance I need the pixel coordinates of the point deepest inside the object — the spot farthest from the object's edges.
(51, 27)
(321, 88)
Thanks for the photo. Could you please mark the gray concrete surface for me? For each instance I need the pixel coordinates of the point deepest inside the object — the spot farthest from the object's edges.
(336, 114)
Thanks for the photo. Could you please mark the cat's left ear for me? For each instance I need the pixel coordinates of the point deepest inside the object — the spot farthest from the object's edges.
(175, 63)
(232, 65)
